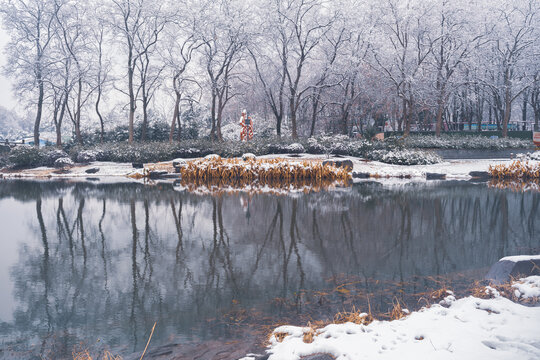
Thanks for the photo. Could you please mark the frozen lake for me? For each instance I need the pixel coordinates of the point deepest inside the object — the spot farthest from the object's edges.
(87, 263)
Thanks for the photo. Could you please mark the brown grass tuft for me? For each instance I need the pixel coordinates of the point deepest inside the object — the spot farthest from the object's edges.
(397, 311)
(280, 336)
(310, 334)
(354, 316)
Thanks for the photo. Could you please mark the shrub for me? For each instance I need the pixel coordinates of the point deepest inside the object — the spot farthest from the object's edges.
(25, 156)
(405, 157)
(463, 142)
(51, 155)
(86, 156)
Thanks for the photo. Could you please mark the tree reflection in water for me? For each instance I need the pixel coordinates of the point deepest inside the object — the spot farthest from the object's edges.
(107, 261)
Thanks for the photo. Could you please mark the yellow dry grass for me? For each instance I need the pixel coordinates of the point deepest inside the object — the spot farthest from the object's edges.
(354, 316)
(516, 170)
(266, 170)
(397, 311)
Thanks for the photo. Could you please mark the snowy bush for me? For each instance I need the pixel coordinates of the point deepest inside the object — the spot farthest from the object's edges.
(405, 157)
(50, 156)
(296, 148)
(63, 162)
(86, 156)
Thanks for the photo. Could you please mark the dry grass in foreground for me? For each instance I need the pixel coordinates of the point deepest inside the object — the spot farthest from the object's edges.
(400, 311)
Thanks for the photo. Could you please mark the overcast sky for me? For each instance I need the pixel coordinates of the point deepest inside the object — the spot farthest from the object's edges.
(6, 99)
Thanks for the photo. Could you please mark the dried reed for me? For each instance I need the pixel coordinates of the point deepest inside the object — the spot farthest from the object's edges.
(516, 170)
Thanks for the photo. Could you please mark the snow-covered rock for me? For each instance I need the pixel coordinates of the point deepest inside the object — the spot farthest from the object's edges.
(179, 163)
(212, 157)
(249, 156)
(512, 267)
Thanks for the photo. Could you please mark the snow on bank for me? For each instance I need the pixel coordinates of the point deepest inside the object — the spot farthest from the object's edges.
(468, 328)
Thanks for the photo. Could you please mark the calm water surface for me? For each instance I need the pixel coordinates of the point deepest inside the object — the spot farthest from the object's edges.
(84, 264)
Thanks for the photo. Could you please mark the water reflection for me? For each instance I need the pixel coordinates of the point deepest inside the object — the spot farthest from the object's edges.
(107, 261)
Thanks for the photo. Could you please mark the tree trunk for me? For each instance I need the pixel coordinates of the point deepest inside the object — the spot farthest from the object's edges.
(440, 109)
(78, 113)
(218, 119)
(213, 113)
(175, 117)
(524, 111)
(507, 112)
(39, 109)
(313, 117)
(102, 125)
(279, 119)
(144, 129)
(406, 118)
(132, 104)
(293, 117)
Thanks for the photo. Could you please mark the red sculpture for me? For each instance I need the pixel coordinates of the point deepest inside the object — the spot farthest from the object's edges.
(247, 127)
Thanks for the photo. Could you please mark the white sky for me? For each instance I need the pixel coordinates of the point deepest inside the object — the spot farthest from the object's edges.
(6, 98)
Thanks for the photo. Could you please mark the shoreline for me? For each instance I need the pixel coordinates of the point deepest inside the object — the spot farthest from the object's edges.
(457, 169)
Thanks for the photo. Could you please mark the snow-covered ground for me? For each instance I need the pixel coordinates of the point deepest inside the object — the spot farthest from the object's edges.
(468, 328)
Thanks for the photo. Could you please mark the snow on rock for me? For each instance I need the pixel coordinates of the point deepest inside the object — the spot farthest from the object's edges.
(518, 258)
(212, 157)
(468, 328)
(248, 156)
(527, 288)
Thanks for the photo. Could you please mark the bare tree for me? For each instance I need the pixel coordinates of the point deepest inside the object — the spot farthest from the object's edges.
(140, 24)
(224, 40)
(511, 41)
(409, 49)
(31, 24)
(451, 46)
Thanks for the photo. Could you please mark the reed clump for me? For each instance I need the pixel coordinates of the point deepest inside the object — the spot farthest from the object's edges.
(263, 170)
(517, 170)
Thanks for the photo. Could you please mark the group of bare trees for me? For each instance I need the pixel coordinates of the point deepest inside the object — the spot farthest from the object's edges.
(299, 66)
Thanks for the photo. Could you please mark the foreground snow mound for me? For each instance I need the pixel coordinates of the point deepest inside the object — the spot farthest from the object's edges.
(468, 328)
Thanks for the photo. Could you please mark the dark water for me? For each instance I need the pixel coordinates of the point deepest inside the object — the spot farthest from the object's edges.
(84, 264)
